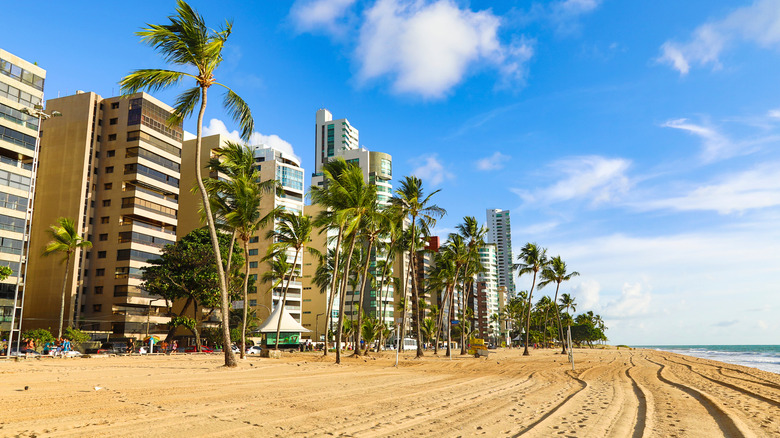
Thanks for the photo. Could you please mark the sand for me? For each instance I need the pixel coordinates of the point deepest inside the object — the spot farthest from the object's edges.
(618, 393)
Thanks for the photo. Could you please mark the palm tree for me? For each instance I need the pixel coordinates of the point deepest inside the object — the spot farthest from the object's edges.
(543, 306)
(187, 42)
(556, 273)
(351, 199)
(65, 240)
(331, 196)
(410, 200)
(293, 231)
(474, 235)
(236, 201)
(568, 302)
(532, 258)
(371, 227)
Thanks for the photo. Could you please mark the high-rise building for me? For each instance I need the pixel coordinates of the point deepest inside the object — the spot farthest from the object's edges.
(272, 165)
(500, 234)
(339, 139)
(21, 94)
(111, 165)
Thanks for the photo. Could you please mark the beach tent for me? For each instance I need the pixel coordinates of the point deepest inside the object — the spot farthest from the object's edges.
(290, 331)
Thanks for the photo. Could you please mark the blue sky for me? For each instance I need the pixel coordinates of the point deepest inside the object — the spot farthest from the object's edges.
(638, 140)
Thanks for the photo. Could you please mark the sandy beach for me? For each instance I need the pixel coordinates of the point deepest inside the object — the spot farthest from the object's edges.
(618, 393)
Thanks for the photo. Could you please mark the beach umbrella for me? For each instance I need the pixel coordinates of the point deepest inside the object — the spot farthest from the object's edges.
(153, 337)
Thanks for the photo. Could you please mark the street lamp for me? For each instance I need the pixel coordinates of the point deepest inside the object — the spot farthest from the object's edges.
(35, 111)
(148, 313)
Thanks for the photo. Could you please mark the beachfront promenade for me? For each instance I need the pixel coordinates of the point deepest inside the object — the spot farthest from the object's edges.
(618, 393)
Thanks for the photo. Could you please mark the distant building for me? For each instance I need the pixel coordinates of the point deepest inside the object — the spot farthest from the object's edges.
(113, 166)
(500, 234)
(21, 89)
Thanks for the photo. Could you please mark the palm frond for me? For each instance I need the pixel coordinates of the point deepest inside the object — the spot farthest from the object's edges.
(239, 111)
(152, 79)
(184, 106)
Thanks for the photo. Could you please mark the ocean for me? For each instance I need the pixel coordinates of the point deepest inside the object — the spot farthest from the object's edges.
(763, 357)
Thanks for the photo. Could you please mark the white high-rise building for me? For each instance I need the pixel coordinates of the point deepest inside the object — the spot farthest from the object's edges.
(500, 234)
(21, 94)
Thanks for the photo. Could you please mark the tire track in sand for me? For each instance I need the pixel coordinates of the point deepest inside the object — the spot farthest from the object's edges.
(728, 423)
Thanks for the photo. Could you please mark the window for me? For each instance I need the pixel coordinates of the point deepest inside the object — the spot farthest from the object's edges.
(104, 219)
(100, 122)
(98, 290)
(104, 237)
(108, 186)
(110, 169)
(97, 307)
(100, 272)
(252, 265)
(253, 252)
(113, 121)
(110, 153)
(114, 105)
(99, 138)
(111, 137)
(106, 203)
(101, 254)
(254, 239)
(252, 303)
(133, 254)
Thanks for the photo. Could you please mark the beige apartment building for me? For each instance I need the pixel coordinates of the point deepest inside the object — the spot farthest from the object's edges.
(272, 165)
(21, 94)
(113, 166)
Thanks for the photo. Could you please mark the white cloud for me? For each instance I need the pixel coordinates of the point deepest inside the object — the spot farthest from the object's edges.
(715, 145)
(493, 162)
(774, 114)
(758, 23)
(312, 15)
(593, 177)
(586, 295)
(428, 48)
(216, 126)
(432, 170)
(632, 301)
(751, 189)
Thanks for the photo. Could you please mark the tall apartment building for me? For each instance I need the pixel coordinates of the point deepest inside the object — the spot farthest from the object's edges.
(113, 166)
(21, 91)
(272, 164)
(500, 234)
(339, 139)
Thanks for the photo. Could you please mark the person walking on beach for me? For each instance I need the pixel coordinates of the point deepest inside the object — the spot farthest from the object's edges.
(175, 346)
(130, 346)
(66, 347)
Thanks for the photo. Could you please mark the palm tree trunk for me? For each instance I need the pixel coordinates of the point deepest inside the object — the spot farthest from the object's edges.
(246, 295)
(463, 309)
(62, 300)
(284, 298)
(362, 288)
(343, 298)
(332, 296)
(381, 316)
(450, 315)
(415, 292)
(528, 319)
(230, 358)
(558, 317)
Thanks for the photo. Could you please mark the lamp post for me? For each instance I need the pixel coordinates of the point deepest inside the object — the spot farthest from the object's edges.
(149, 312)
(35, 111)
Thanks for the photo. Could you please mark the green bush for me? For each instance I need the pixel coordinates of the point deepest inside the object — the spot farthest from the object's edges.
(75, 335)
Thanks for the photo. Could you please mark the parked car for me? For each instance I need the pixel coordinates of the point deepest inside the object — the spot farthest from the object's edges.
(255, 349)
(194, 349)
(235, 348)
